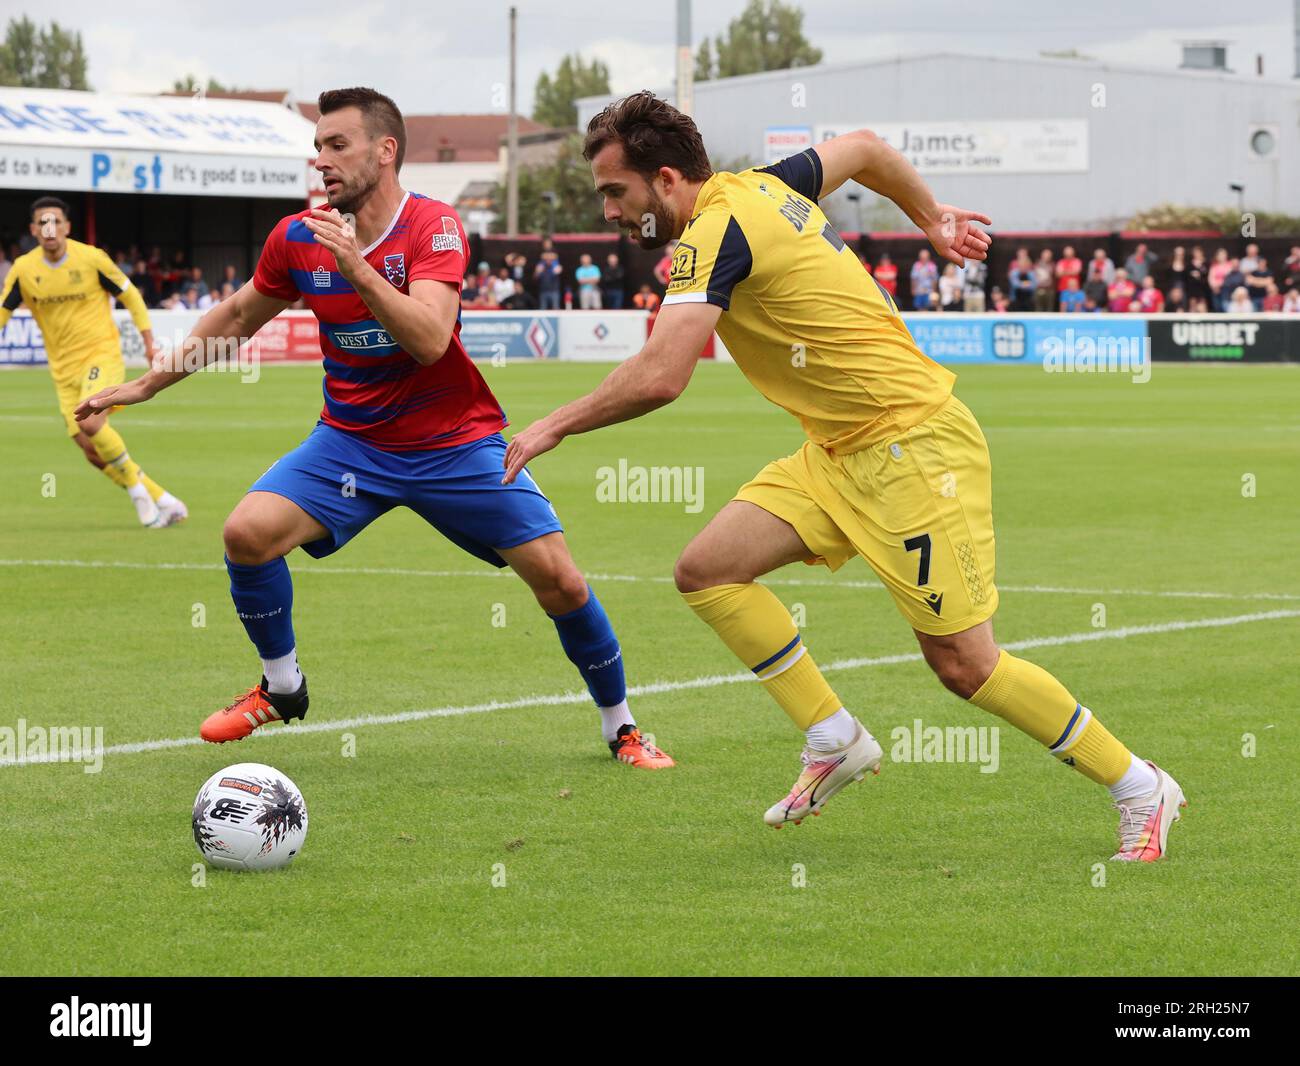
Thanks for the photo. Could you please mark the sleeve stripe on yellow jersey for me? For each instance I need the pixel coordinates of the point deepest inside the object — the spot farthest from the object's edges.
(732, 265)
(802, 172)
(15, 296)
(106, 283)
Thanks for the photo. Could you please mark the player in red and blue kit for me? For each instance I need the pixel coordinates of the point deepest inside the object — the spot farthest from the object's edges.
(407, 421)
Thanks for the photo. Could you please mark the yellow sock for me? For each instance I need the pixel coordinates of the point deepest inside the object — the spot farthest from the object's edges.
(118, 464)
(155, 490)
(1036, 703)
(755, 625)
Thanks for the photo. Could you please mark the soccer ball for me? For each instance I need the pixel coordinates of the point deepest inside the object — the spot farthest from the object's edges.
(249, 817)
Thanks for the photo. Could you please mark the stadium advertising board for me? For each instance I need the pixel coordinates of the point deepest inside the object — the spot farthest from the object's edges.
(782, 141)
(510, 334)
(1067, 342)
(1223, 338)
(1038, 146)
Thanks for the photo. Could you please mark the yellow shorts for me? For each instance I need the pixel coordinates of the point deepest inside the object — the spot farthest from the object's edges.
(917, 508)
(99, 371)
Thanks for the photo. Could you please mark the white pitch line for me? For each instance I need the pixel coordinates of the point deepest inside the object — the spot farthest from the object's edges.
(843, 583)
(656, 687)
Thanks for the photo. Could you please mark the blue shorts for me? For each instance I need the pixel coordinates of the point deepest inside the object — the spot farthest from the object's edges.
(345, 484)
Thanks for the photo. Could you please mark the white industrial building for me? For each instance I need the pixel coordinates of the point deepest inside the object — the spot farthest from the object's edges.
(1037, 143)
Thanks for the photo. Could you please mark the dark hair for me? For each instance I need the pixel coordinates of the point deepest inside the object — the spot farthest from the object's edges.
(378, 112)
(653, 134)
(51, 201)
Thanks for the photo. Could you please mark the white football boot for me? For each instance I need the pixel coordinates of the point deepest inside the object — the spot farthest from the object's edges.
(1144, 823)
(170, 513)
(824, 774)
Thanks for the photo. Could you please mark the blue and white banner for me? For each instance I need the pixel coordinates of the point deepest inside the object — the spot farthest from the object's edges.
(510, 334)
(1036, 339)
(60, 140)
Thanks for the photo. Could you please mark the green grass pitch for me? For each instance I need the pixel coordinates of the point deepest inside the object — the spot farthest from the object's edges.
(1132, 497)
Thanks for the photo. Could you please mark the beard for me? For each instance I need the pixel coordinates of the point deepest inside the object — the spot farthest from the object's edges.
(351, 196)
(659, 225)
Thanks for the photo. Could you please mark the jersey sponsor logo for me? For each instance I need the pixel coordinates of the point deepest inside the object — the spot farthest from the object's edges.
(320, 277)
(683, 268)
(361, 340)
(395, 268)
(449, 239)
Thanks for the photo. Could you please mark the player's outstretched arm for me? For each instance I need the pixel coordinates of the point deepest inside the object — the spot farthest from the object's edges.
(863, 157)
(219, 332)
(652, 378)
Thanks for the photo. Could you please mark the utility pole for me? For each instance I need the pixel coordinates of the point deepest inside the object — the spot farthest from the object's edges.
(685, 61)
(512, 143)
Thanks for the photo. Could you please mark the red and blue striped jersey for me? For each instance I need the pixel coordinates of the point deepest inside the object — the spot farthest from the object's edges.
(372, 387)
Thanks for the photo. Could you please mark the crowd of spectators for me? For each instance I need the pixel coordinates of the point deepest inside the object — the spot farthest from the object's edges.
(546, 285)
(1187, 282)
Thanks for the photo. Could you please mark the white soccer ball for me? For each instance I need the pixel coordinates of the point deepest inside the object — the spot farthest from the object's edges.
(249, 817)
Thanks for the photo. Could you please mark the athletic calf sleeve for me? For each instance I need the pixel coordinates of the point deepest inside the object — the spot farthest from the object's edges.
(263, 598)
(758, 629)
(1036, 703)
(588, 640)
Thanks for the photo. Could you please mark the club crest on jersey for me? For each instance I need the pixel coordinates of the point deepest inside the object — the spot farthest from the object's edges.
(395, 268)
(449, 239)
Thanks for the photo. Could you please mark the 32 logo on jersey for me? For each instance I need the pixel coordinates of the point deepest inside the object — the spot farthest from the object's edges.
(395, 268)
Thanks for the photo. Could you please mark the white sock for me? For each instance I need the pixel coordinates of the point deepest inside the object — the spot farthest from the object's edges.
(139, 492)
(282, 674)
(833, 733)
(612, 719)
(166, 499)
(1139, 780)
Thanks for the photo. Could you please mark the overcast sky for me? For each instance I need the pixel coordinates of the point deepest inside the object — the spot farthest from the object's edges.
(437, 56)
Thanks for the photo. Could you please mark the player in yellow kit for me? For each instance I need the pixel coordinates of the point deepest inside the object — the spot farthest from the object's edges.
(895, 468)
(66, 285)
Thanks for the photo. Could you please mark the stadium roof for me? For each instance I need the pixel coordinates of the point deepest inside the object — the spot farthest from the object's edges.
(60, 139)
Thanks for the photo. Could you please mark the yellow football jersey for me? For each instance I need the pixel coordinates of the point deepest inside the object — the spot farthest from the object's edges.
(806, 324)
(70, 302)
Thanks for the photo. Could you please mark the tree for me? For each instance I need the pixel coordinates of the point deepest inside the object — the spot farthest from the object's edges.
(768, 35)
(556, 197)
(555, 99)
(190, 84)
(39, 57)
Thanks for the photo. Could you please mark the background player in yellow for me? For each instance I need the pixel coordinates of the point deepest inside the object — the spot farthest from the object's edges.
(66, 285)
(895, 468)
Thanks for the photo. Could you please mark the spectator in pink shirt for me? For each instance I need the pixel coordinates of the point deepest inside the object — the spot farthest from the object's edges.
(1150, 299)
(1121, 293)
(1219, 269)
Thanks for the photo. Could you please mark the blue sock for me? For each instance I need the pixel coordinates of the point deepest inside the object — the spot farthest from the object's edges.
(589, 641)
(263, 598)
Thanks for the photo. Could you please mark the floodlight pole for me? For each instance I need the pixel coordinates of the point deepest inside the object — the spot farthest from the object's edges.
(685, 62)
(512, 143)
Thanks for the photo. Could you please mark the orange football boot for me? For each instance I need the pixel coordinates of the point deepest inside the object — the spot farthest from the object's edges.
(252, 709)
(632, 748)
